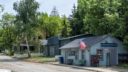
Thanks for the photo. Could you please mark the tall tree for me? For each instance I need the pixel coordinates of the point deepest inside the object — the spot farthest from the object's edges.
(27, 18)
(7, 36)
(66, 27)
(1, 8)
(98, 17)
(76, 22)
(123, 13)
(51, 25)
(55, 26)
(44, 24)
(54, 12)
(101, 17)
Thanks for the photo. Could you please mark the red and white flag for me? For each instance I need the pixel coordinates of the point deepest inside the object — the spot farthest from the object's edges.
(82, 45)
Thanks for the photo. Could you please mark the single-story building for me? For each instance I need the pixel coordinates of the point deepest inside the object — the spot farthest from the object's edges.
(22, 49)
(99, 51)
(51, 45)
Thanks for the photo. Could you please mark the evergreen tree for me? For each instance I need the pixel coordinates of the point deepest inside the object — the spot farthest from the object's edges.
(66, 27)
(76, 22)
(54, 12)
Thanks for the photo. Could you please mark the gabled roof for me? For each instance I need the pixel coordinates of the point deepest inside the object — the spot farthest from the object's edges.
(89, 41)
(93, 40)
(55, 40)
(72, 44)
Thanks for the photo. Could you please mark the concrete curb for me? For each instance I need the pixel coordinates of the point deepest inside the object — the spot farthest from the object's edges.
(79, 67)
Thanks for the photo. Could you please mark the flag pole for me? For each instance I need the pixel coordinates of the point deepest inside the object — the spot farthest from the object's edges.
(82, 48)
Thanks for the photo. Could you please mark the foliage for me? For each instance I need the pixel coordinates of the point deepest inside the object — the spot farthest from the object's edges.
(66, 27)
(100, 17)
(123, 65)
(76, 22)
(50, 25)
(82, 62)
(88, 17)
(7, 31)
(26, 14)
(54, 12)
(26, 18)
(123, 13)
(1, 8)
(125, 40)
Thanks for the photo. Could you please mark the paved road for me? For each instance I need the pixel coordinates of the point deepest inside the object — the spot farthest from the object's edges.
(21, 66)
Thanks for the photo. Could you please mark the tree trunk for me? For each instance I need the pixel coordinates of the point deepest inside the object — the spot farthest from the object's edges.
(28, 48)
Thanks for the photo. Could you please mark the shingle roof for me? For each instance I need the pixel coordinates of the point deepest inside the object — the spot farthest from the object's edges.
(93, 40)
(89, 41)
(72, 44)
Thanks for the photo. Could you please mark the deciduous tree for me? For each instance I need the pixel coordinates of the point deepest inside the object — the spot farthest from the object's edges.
(27, 18)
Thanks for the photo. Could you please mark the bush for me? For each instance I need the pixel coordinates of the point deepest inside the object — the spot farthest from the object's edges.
(10, 53)
(82, 62)
(123, 65)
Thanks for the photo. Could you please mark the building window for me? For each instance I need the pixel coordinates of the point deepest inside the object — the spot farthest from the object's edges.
(76, 55)
(100, 54)
(72, 53)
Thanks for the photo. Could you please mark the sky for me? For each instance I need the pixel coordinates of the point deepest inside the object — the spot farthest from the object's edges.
(64, 7)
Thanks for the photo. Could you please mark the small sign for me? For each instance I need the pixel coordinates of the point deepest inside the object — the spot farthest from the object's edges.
(108, 44)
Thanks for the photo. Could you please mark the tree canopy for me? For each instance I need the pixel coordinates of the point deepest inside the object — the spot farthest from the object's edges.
(26, 18)
(97, 17)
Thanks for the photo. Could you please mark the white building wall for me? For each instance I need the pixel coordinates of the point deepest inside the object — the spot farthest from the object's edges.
(120, 47)
(87, 57)
(94, 48)
(63, 52)
(92, 51)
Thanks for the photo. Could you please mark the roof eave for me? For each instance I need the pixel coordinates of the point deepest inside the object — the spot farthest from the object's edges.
(69, 48)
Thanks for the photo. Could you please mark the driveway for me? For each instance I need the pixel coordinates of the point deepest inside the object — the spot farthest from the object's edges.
(7, 62)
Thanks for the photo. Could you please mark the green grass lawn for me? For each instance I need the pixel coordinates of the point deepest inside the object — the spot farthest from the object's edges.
(40, 59)
(123, 65)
